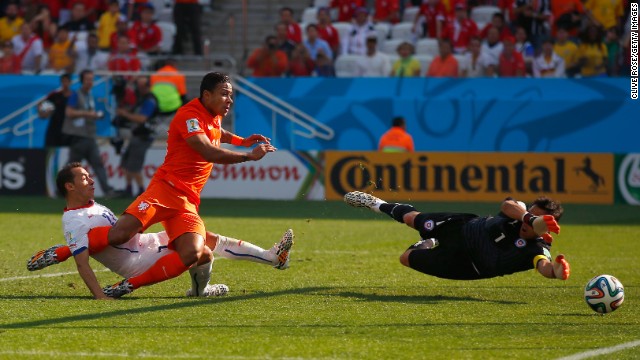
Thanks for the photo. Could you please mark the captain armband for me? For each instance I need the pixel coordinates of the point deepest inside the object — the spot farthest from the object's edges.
(538, 258)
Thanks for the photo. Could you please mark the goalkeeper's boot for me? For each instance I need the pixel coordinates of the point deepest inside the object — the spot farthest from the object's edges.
(362, 200)
(43, 258)
(282, 249)
(211, 290)
(118, 289)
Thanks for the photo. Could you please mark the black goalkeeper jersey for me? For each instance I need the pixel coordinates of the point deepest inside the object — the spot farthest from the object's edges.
(496, 248)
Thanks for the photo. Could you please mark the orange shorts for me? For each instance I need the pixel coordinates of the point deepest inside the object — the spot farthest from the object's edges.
(162, 203)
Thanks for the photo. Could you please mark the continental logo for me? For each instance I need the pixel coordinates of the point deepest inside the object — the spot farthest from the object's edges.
(571, 178)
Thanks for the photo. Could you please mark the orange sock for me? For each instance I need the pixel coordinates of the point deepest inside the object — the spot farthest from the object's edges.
(167, 267)
(62, 253)
(98, 239)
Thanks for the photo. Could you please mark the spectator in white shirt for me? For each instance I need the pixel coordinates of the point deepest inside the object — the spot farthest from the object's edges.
(361, 29)
(28, 46)
(91, 57)
(493, 47)
(475, 63)
(548, 64)
(374, 63)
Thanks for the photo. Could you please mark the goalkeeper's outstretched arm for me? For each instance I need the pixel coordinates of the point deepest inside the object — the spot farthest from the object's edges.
(558, 269)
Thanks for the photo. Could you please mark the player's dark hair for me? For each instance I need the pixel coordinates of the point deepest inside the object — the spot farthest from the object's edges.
(211, 81)
(398, 121)
(66, 76)
(65, 176)
(549, 206)
(83, 74)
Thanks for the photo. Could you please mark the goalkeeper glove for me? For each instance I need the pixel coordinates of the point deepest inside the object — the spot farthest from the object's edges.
(541, 224)
(561, 269)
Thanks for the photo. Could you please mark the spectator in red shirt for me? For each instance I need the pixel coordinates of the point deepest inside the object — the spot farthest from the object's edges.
(144, 33)
(511, 62)
(498, 22)
(268, 60)
(10, 63)
(294, 33)
(125, 59)
(346, 8)
(327, 32)
(461, 29)
(387, 11)
(122, 29)
(301, 63)
(435, 16)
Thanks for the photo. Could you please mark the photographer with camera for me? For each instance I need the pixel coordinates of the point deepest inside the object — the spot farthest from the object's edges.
(268, 60)
(80, 125)
(141, 120)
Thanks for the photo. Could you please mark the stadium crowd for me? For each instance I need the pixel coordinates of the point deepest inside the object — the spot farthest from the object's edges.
(449, 38)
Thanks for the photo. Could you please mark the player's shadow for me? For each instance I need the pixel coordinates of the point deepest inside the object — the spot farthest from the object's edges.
(418, 299)
(181, 304)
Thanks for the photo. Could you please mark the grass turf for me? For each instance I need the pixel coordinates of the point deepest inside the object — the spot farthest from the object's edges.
(345, 295)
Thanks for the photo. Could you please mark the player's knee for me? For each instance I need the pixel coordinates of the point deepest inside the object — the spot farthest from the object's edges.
(124, 229)
(206, 257)
(404, 258)
(190, 247)
(409, 218)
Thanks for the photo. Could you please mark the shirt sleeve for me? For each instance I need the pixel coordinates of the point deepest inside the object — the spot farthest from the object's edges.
(75, 233)
(189, 125)
(73, 100)
(148, 108)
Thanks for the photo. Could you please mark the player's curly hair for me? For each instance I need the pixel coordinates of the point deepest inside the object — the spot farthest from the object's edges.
(65, 176)
(550, 206)
(212, 80)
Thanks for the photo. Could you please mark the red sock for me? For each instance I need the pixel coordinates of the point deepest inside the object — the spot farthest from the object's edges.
(98, 239)
(62, 253)
(167, 267)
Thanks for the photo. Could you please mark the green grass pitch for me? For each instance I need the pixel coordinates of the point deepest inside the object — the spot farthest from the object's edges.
(345, 295)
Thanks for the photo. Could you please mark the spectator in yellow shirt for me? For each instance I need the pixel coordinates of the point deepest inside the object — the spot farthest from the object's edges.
(62, 53)
(10, 23)
(396, 139)
(605, 13)
(107, 25)
(567, 50)
(406, 65)
(592, 53)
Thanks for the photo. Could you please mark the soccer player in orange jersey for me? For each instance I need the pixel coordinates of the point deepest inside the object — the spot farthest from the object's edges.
(173, 195)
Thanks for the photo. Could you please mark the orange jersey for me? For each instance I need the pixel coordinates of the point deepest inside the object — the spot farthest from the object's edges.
(183, 168)
(396, 139)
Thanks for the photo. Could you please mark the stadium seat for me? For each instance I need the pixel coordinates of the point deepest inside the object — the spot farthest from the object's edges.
(403, 31)
(309, 16)
(347, 65)
(382, 29)
(410, 14)
(163, 10)
(168, 30)
(425, 61)
(321, 3)
(427, 47)
(482, 14)
(342, 28)
(390, 46)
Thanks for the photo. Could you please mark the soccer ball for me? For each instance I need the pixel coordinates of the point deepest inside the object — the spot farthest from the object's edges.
(604, 294)
(46, 106)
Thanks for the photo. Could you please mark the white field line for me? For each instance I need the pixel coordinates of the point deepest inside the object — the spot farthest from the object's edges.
(140, 355)
(15, 278)
(601, 351)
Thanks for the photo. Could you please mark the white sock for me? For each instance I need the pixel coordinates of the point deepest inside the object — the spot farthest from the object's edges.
(235, 249)
(200, 276)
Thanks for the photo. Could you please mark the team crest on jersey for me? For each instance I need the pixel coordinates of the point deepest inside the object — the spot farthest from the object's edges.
(193, 125)
(429, 225)
(143, 206)
(520, 243)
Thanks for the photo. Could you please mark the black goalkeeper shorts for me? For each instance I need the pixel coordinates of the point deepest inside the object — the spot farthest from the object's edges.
(450, 259)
